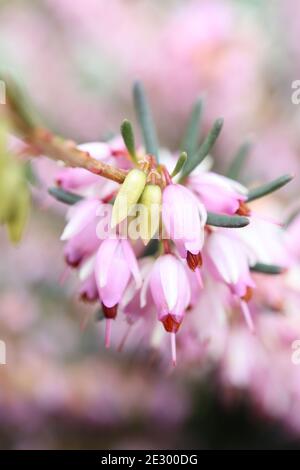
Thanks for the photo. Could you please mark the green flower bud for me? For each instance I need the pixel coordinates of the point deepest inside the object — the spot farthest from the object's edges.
(17, 221)
(14, 192)
(151, 204)
(128, 195)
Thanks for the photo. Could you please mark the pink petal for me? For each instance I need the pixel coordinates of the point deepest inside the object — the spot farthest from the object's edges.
(80, 217)
(132, 262)
(169, 280)
(104, 259)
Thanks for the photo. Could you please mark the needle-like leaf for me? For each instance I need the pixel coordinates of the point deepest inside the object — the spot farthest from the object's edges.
(128, 137)
(64, 196)
(267, 268)
(194, 160)
(190, 140)
(145, 119)
(230, 221)
(180, 164)
(268, 188)
(238, 161)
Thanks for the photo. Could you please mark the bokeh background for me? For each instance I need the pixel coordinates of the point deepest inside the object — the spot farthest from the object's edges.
(76, 60)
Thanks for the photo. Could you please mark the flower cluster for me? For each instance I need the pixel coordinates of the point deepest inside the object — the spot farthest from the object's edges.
(171, 231)
(150, 228)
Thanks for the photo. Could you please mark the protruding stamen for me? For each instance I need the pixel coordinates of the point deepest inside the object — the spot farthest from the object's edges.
(199, 278)
(247, 316)
(170, 323)
(64, 275)
(108, 323)
(124, 338)
(173, 348)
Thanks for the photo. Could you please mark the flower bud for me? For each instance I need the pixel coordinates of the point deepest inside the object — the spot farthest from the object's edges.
(151, 204)
(14, 199)
(128, 195)
(17, 222)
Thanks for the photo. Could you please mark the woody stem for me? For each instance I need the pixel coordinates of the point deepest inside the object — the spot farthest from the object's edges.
(43, 142)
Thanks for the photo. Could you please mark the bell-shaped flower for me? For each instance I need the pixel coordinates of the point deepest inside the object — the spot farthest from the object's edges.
(79, 216)
(184, 218)
(171, 293)
(81, 231)
(115, 264)
(267, 241)
(218, 193)
(228, 260)
(82, 245)
(88, 291)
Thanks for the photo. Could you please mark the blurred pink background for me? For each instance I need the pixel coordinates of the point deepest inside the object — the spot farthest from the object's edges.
(77, 59)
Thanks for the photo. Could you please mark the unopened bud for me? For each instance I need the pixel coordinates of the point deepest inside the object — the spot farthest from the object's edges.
(128, 196)
(151, 203)
(14, 200)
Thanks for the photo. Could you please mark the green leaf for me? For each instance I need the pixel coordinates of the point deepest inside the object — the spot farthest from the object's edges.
(267, 268)
(190, 140)
(194, 160)
(230, 221)
(180, 164)
(128, 137)
(239, 161)
(64, 196)
(144, 117)
(268, 188)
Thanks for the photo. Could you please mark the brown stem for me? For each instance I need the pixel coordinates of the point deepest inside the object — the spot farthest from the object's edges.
(43, 142)
(59, 149)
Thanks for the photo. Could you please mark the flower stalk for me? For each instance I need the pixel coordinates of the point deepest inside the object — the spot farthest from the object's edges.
(42, 141)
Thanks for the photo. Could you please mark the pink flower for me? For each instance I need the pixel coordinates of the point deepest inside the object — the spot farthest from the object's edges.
(82, 245)
(171, 294)
(79, 216)
(266, 241)
(88, 291)
(228, 261)
(218, 193)
(184, 218)
(80, 232)
(115, 264)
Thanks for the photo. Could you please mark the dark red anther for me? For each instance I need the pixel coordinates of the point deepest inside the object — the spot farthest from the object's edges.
(110, 312)
(243, 209)
(171, 325)
(73, 261)
(88, 296)
(194, 261)
(248, 295)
